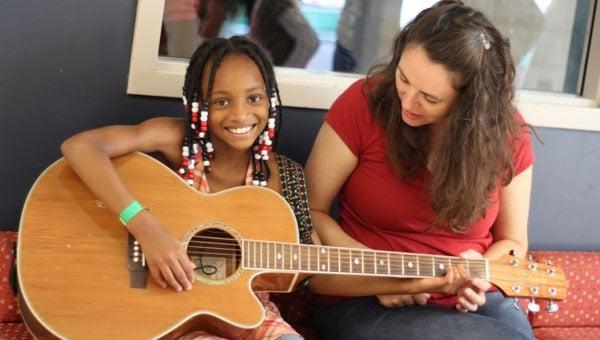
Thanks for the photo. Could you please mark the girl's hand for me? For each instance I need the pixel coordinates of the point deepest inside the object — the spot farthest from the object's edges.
(167, 261)
(402, 300)
(472, 295)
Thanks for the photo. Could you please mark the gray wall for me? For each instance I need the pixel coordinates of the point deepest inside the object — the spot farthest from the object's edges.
(63, 69)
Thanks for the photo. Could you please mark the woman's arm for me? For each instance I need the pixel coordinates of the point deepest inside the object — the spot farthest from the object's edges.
(89, 154)
(510, 233)
(328, 167)
(510, 228)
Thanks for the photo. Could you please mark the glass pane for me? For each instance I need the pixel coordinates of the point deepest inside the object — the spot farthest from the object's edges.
(548, 37)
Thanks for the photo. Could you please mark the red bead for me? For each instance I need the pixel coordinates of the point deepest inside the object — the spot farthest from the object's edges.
(190, 175)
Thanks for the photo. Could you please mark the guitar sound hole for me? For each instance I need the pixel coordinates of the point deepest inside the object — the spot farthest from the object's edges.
(215, 253)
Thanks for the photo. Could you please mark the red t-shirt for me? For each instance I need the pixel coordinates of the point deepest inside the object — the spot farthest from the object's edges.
(384, 212)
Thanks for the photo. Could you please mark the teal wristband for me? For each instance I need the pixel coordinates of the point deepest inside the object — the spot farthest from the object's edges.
(130, 212)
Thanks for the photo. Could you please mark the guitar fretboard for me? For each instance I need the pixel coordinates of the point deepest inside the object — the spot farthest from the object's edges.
(286, 257)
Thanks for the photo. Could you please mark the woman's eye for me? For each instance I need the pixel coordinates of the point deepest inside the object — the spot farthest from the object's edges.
(430, 100)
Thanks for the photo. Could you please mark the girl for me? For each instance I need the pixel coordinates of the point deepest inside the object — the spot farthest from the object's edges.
(227, 139)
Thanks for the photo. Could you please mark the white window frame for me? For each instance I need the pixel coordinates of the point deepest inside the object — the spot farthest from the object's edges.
(163, 76)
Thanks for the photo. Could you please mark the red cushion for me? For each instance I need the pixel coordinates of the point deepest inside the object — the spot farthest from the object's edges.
(14, 330)
(8, 305)
(580, 308)
(566, 333)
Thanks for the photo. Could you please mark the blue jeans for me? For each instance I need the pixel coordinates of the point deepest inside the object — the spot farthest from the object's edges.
(366, 318)
(343, 61)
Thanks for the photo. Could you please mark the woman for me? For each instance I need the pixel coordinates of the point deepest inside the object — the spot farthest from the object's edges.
(430, 157)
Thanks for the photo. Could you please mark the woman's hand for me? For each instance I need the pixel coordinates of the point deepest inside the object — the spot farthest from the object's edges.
(167, 260)
(402, 300)
(472, 295)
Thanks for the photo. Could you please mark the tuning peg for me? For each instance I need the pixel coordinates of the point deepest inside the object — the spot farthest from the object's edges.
(552, 307)
(532, 306)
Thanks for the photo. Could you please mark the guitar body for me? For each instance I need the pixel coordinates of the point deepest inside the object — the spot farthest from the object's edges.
(73, 255)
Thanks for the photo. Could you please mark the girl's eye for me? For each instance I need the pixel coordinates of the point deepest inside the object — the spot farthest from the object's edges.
(255, 99)
(221, 102)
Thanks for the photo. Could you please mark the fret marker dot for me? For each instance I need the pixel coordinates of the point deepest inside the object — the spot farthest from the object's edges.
(278, 256)
(322, 267)
(356, 261)
(295, 257)
(322, 251)
(410, 265)
(381, 262)
(441, 266)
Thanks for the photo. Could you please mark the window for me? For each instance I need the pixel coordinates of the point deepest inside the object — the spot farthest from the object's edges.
(557, 51)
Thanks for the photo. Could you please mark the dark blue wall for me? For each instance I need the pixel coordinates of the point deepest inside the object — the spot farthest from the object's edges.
(63, 69)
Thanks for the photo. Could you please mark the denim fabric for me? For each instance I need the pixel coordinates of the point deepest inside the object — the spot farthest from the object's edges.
(343, 61)
(366, 318)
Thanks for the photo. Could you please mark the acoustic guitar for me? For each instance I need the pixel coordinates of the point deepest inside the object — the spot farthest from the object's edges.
(82, 276)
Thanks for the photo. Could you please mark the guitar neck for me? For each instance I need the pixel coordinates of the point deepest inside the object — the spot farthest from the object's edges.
(291, 257)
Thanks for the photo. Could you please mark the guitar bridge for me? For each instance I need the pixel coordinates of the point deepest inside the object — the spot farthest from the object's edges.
(136, 263)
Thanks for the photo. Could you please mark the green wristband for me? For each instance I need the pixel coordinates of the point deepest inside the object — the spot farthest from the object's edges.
(130, 212)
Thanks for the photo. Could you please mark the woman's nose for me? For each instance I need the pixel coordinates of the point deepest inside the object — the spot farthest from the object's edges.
(409, 100)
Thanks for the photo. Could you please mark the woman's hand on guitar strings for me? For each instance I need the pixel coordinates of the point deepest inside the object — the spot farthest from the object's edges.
(472, 295)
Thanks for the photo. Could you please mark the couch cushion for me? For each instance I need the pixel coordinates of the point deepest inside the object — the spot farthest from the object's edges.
(8, 304)
(14, 330)
(566, 333)
(580, 308)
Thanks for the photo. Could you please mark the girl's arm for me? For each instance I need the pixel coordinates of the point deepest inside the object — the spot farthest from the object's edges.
(329, 165)
(89, 154)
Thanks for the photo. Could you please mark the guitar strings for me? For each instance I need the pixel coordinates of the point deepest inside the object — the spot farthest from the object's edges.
(341, 259)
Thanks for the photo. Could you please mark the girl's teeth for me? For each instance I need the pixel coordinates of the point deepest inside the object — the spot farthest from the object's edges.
(241, 130)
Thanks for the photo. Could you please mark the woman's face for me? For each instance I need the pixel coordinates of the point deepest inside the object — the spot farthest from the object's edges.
(425, 88)
(238, 105)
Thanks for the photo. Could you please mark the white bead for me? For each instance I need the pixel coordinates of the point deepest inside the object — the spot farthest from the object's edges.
(195, 104)
(255, 182)
(195, 109)
(191, 166)
(202, 134)
(196, 146)
(264, 152)
(263, 183)
(268, 142)
(206, 163)
(190, 182)
(265, 157)
(256, 156)
(193, 126)
(182, 171)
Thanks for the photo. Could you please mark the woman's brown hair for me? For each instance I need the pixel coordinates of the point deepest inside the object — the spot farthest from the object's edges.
(475, 154)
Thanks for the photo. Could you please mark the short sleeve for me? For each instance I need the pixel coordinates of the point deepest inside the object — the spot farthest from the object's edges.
(350, 117)
(523, 156)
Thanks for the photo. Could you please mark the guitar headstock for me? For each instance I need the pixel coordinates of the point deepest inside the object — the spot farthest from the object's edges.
(518, 277)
